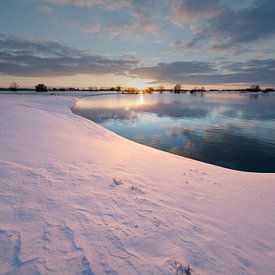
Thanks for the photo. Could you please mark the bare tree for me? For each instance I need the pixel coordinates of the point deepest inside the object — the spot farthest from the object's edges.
(177, 88)
(161, 88)
(13, 86)
(130, 90)
(148, 90)
(255, 88)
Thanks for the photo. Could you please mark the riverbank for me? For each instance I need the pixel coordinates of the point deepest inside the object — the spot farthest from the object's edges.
(76, 198)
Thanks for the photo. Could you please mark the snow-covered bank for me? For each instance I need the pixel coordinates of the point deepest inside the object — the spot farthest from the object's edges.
(78, 199)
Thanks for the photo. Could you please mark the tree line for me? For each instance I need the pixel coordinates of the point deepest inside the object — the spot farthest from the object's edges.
(178, 88)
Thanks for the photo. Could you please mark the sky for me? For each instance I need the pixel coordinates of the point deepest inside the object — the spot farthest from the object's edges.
(83, 43)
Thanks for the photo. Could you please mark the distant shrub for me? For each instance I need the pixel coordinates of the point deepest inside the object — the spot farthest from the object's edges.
(161, 89)
(117, 181)
(148, 90)
(254, 88)
(181, 269)
(177, 88)
(132, 91)
(267, 90)
(41, 88)
(197, 90)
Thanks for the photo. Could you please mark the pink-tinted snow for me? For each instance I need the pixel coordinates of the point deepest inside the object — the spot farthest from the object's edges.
(77, 199)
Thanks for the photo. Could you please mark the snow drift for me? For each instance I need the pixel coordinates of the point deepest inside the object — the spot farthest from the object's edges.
(78, 199)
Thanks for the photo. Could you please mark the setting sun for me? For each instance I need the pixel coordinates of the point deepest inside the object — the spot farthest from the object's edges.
(137, 83)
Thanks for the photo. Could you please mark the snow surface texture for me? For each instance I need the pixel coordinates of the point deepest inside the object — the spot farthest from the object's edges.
(78, 199)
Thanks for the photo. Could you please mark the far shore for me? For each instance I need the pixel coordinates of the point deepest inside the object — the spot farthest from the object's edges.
(80, 92)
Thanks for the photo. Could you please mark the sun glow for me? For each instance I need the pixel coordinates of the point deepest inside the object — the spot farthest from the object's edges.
(137, 83)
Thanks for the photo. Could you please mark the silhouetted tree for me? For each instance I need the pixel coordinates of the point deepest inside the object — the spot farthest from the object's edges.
(41, 88)
(255, 88)
(177, 88)
(197, 90)
(132, 90)
(118, 88)
(161, 88)
(267, 90)
(13, 86)
(148, 90)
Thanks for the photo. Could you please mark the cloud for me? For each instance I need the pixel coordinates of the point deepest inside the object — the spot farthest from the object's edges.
(104, 4)
(141, 15)
(227, 26)
(248, 24)
(28, 57)
(189, 46)
(137, 30)
(210, 73)
(230, 49)
(46, 9)
(173, 72)
(91, 29)
(186, 11)
(20, 56)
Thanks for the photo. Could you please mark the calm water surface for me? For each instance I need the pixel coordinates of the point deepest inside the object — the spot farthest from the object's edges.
(231, 130)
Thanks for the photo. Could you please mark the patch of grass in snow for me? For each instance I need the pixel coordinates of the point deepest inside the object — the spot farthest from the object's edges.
(117, 181)
(136, 189)
(181, 269)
